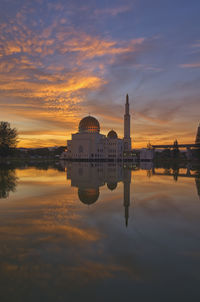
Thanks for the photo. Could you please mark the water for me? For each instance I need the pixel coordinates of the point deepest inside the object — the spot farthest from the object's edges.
(99, 232)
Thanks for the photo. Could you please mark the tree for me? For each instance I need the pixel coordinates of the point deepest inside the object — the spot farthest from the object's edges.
(8, 139)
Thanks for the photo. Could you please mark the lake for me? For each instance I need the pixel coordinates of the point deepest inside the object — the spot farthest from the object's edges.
(99, 232)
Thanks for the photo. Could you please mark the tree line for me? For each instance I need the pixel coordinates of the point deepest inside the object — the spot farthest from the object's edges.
(9, 140)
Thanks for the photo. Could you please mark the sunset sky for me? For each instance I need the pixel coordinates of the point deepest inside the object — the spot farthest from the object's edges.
(61, 60)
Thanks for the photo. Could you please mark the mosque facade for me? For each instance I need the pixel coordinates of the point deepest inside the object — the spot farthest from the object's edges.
(89, 144)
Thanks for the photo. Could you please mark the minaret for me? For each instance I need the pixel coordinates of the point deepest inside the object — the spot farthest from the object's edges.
(127, 138)
(197, 141)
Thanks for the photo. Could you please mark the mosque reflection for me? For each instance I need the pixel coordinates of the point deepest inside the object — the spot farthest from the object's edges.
(88, 178)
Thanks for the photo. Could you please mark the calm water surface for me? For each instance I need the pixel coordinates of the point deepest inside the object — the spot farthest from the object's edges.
(99, 233)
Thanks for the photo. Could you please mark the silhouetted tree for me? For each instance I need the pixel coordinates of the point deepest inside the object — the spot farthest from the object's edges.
(8, 139)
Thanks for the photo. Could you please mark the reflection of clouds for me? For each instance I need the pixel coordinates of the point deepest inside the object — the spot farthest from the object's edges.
(61, 245)
(81, 279)
(167, 199)
(193, 254)
(63, 242)
(55, 244)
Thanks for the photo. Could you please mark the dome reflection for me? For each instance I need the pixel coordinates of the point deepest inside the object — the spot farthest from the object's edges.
(112, 185)
(88, 196)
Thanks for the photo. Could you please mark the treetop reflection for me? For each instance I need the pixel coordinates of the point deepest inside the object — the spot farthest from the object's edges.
(8, 181)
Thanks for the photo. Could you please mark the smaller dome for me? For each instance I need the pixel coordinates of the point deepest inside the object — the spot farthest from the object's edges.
(112, 185)
(112, 134)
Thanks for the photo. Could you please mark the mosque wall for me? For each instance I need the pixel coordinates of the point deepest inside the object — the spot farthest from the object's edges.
(89, 144)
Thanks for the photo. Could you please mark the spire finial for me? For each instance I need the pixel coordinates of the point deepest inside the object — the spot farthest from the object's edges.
(127, 98)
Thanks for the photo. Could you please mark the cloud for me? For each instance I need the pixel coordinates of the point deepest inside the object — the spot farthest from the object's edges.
(190, 65)
(48, 74)
(195, 47)
(56, 65)
(114, 11)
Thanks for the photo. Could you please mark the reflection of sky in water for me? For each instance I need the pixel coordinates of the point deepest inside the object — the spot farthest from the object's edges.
(53, 247)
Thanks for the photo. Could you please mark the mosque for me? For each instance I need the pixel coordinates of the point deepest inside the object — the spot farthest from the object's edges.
(89, 144)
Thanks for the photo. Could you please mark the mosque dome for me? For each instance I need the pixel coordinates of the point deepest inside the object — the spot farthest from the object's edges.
(112, 185)
(89, 124)
(88, 196)
(112, 134)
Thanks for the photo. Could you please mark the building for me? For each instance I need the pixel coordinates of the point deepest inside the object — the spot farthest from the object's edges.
(146, 154)
(90, 145)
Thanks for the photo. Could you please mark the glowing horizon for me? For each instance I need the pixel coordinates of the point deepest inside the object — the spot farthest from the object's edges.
(60, 61)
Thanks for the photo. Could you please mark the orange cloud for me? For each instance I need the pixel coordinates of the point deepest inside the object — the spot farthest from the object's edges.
(50, 92)
(46, 79)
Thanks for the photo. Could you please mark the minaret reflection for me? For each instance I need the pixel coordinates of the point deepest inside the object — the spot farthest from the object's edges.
(89, 177)
(127, 183)
(197, 180)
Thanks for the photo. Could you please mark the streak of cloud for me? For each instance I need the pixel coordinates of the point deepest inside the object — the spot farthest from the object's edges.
(190, 65)
(112, 11)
